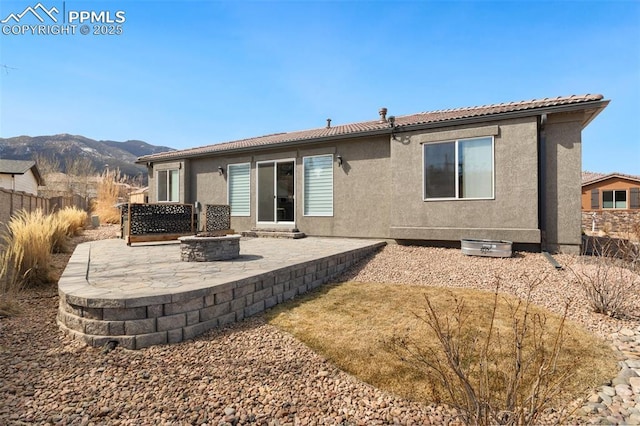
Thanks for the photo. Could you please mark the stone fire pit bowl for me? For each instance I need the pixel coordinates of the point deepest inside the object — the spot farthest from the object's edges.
(208, 248)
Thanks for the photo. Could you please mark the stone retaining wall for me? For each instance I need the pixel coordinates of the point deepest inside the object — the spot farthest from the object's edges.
(208, 249)
(171, 318)
(619, 221)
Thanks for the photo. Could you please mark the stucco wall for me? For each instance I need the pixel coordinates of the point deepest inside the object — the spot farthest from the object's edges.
(563, 182)
(378, 191)
(361, 187)
(183, 172)
(362, 192)
(511, 215)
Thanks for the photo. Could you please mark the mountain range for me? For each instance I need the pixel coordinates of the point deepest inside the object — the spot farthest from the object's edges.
(63, 148)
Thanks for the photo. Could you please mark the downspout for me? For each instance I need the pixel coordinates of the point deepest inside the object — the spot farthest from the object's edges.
(542, 181)
(542, 190)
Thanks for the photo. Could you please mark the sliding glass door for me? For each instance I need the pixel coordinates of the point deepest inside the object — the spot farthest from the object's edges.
(276, 192)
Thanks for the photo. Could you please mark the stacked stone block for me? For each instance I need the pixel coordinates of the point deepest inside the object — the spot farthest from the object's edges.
(620, 221)
(171, 318)
(208, 249)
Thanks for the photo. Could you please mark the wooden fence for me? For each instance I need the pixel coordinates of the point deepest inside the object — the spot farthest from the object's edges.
(12, 202)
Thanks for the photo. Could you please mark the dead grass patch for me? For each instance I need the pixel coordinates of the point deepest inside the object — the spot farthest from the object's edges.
(352, 323)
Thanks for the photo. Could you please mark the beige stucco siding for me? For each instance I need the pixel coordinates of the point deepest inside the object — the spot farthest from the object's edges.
(511, 215)
(378, 192)
(361, 187)
(362, 192)
(563, 181)
(183, 171)
(209, 187)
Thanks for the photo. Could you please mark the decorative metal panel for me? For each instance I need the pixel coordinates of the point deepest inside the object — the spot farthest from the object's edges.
(218, 217)
(159, 218)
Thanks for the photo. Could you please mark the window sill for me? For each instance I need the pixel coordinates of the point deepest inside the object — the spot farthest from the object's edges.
(429, 200)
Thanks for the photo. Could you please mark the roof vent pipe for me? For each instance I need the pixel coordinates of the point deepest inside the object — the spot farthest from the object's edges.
(383, 115)
(328, 123)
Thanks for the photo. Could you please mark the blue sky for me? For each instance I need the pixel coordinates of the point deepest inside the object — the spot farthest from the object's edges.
(192, 73)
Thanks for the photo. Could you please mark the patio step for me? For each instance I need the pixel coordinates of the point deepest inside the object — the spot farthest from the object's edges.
(292, 233)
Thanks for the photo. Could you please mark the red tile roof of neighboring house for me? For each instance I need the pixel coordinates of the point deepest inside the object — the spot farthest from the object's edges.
(359, 129)
(589, 176)
(592, 177)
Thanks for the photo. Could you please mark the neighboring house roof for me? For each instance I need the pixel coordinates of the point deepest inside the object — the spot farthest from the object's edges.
(20, 167)
(589, 178)
(417, 121)
(142, 190)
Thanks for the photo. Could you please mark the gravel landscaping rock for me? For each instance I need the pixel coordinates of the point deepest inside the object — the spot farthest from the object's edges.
(251, 372)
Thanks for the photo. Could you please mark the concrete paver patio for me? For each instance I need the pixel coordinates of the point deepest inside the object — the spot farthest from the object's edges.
(144, 294)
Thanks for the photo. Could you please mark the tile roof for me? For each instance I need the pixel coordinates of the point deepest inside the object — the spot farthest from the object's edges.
(20, 167)
(422, 118)
(592, 177)
(588, 176)
(15, 167)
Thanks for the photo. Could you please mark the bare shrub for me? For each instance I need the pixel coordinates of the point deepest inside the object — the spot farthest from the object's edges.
(607, 227)
(47, 164)
(608, 284)
(635, 230)
(505, 376)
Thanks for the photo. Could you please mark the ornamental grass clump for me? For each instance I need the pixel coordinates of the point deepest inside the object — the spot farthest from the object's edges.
(74, 219)
(28, 243)
(109, 193)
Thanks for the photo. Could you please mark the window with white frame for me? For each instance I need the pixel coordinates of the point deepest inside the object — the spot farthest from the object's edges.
(318, 185)
(614, 199)
(169, 186)
(239, 189)
(459, 169)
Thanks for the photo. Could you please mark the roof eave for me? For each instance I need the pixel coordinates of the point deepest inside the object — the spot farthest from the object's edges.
(378, 132)
(593, 113)
(610, 176)
(37, 175)
(594, 108)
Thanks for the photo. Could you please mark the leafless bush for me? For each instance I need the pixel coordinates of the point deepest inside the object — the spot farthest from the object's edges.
(491, 376)
(608, 283)
(635, 230)
(607, 228)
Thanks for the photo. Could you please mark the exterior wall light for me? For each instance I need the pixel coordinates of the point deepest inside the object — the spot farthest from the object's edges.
(220, 170)
(392, 125)
(339, 159)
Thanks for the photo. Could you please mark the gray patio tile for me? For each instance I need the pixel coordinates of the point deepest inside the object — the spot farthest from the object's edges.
(149, 270)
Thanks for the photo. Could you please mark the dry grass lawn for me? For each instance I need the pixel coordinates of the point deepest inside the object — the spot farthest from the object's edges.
(351, 324)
